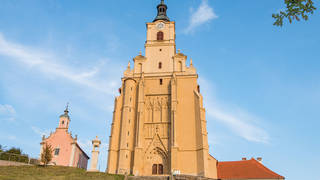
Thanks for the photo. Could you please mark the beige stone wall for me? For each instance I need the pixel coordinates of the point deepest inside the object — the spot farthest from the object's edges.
(13, 163)
(159, 117)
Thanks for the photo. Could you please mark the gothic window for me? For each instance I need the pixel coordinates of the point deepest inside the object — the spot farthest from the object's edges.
(161, 82)
(56, 151)
(160, 65)
(160, 36)
(62, 122)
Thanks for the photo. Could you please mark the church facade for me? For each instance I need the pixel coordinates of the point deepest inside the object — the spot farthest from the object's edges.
(159, 124)
(66, 150)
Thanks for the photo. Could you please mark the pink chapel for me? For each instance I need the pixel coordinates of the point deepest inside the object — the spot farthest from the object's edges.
(66, 150)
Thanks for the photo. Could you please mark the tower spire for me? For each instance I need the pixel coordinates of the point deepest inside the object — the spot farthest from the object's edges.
(66, 111)
(162, 12)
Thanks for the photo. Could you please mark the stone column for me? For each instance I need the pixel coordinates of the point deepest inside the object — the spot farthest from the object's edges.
(95, 154)
(73, 151)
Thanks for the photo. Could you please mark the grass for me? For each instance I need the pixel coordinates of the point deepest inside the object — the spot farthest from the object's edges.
(52, 173)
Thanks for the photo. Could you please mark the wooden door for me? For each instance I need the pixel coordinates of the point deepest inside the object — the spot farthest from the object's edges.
(154, 169)
(160, 169)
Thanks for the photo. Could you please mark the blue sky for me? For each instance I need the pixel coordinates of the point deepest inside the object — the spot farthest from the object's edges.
(261, 83)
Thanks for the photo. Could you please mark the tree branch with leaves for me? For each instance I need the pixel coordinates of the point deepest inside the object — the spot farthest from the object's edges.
(46, 155)
(295, 10)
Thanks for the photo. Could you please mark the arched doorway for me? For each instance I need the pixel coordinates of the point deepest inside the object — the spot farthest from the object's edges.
(156, 162)
(157, 169)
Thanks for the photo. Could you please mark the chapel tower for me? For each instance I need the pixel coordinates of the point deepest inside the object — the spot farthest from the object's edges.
(159, 124)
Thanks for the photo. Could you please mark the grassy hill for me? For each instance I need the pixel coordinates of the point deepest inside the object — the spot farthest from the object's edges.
(52, 173)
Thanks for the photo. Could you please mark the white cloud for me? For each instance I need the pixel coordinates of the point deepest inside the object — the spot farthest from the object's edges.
(7, 112)
(40, 131)
(202, 15)
(48, 64)
(11, 137)
(238, 120)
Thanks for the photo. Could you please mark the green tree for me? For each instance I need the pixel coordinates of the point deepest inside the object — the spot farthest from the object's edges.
(46, 155)
(14, 150)
(295, 10)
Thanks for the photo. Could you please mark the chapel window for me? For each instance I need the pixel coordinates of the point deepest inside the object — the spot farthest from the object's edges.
(160, 36)
(161, 81)
(160, 65)
(56, 151)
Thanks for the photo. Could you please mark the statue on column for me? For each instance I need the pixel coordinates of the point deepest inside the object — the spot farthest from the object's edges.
(95, 154)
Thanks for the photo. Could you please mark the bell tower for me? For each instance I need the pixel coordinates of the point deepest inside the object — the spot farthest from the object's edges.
(160, 45)
(64, 119)
(159, 125)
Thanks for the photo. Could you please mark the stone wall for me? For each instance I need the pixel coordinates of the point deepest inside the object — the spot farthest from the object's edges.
(177, 177)
(12, 163)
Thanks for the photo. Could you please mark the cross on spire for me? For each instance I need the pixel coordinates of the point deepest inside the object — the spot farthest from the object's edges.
(66, 111)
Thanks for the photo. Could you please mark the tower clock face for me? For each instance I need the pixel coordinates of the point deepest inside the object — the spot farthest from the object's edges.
(160, 25)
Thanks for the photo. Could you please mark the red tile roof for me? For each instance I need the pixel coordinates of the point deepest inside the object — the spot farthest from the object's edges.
(245, 169)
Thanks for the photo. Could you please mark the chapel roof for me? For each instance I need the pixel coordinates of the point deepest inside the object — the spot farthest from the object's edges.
(245, 169)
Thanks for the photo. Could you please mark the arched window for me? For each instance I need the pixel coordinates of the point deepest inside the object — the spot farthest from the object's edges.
(140, 68)
(160, 36)
(179, 66)
(160, 65)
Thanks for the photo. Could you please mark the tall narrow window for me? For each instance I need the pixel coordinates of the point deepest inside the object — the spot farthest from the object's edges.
(160, 81)
(56, 151)
(160, 65)
(160, 36)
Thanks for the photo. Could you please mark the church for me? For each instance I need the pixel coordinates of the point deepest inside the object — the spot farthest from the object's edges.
(159, 123)
(66, 150)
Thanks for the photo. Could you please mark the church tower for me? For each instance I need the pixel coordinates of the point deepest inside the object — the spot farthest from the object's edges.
(64, 119)
(159, 124)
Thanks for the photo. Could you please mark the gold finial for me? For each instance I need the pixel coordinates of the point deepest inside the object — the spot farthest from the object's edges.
(140, 53)
(179, 51)
(191, 62)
